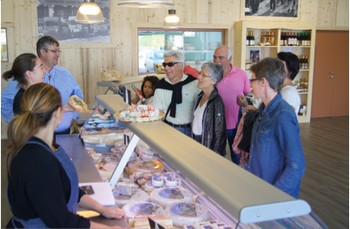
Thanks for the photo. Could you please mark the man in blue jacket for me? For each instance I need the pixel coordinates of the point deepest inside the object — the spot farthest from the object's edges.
(276, 154)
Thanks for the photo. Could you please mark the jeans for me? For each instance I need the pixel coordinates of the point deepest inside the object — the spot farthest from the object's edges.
(186, 131)
(230, 135)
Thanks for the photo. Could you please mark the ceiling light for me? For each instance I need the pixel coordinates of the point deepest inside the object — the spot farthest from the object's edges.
(171, 19)
(89, 13)
(145, 3)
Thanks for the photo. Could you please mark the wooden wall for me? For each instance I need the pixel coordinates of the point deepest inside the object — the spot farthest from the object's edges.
(85, 60)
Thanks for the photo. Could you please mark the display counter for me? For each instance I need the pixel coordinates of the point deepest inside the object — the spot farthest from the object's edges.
(87, 172)
(248, 200)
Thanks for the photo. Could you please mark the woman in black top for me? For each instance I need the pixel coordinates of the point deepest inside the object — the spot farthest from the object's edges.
(208, 123)
(27, 69)
(43, 186)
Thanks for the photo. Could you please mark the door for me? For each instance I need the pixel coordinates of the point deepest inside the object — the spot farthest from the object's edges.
(330, 96)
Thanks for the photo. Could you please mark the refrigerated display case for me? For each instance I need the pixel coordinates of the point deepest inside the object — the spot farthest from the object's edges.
(231, 194)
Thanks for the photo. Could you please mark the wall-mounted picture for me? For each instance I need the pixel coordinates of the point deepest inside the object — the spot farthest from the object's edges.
(271, 8)
(57, 19)
(254, 55)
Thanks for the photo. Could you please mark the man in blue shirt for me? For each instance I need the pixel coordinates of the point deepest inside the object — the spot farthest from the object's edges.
(276, 154)
(48, 51)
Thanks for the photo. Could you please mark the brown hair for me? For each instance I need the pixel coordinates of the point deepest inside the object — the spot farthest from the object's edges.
(38, 104)
(153, 79)
(22, 63)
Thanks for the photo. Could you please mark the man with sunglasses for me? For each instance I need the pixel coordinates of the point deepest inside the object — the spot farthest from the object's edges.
(176, 93)
(234, 83)
(49, 52)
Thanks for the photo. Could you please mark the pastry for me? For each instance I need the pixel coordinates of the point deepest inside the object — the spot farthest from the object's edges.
(77, 103)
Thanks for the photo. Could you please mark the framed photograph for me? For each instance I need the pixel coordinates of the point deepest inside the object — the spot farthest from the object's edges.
(254, 55)
(271, 8)
(57, 19)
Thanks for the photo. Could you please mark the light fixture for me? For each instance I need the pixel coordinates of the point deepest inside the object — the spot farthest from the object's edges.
(89, 13)
(171, 19)
(145, 3)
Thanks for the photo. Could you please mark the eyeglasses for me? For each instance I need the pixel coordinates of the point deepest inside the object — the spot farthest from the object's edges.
(55, 51)
(170, 64)
(252, 80)
(203, 75)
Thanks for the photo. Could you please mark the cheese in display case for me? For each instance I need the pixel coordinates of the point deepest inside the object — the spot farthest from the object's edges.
(205, 195)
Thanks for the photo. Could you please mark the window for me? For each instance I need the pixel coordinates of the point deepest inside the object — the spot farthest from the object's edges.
(197, 45)
(4, 50)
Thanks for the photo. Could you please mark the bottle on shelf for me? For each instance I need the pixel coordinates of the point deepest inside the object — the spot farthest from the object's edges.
(138, 93)
(272, 38)
(248, 39)
(263, 38)
(252, 38)
(283, 39)
(304, 62)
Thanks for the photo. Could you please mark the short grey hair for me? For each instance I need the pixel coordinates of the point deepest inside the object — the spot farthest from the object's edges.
(272, 69)
(215, 71)
(179, 56)
(229, 50)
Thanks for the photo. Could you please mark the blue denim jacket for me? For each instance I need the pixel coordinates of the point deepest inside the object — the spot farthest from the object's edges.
(276, 154)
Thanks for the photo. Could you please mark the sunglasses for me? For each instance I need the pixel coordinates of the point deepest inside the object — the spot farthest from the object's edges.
(170, 64)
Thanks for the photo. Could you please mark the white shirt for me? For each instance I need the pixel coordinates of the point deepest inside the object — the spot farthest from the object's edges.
(197, 126)
(291, 95)
(162, 99)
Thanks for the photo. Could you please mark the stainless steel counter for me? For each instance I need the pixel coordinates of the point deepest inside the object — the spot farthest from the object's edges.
(86, 171)
(75, 149)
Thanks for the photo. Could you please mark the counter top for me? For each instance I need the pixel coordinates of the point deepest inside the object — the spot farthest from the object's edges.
(87, 172)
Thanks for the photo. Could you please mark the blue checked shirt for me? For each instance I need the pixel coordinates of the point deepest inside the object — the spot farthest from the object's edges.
(58, 77)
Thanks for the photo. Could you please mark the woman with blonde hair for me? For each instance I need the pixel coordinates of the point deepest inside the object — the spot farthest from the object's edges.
(43, 186)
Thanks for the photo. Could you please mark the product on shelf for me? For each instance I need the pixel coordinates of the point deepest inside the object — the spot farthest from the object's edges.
(185, 213)
(153, 166)
(140, 113)
(170, 195)
(137, 209)
(163, 221)
(135, 196)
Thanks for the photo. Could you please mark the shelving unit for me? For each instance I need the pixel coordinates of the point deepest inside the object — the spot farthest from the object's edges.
(245, 54)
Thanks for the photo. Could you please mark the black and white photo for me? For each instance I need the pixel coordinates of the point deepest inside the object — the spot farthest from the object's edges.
(254, 55)
(57, 19)
(271, 8)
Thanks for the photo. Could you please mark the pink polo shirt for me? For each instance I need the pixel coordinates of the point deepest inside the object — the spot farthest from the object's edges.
(235, 83)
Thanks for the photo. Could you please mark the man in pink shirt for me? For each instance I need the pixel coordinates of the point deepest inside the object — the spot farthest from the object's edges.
(234, 83)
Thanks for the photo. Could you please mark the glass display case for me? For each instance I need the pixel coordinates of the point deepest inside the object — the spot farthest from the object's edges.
(197, 45)
(232, 196)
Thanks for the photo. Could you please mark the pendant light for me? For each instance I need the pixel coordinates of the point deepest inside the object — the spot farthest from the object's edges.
(89, 13)
(172, 19)
(145, 3)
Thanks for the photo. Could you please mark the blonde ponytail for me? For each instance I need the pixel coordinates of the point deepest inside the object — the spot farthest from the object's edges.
(39, 102)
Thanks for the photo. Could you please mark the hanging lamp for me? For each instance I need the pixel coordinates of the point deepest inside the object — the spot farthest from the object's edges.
(172, 20)
(145, 3)
(89, 13)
